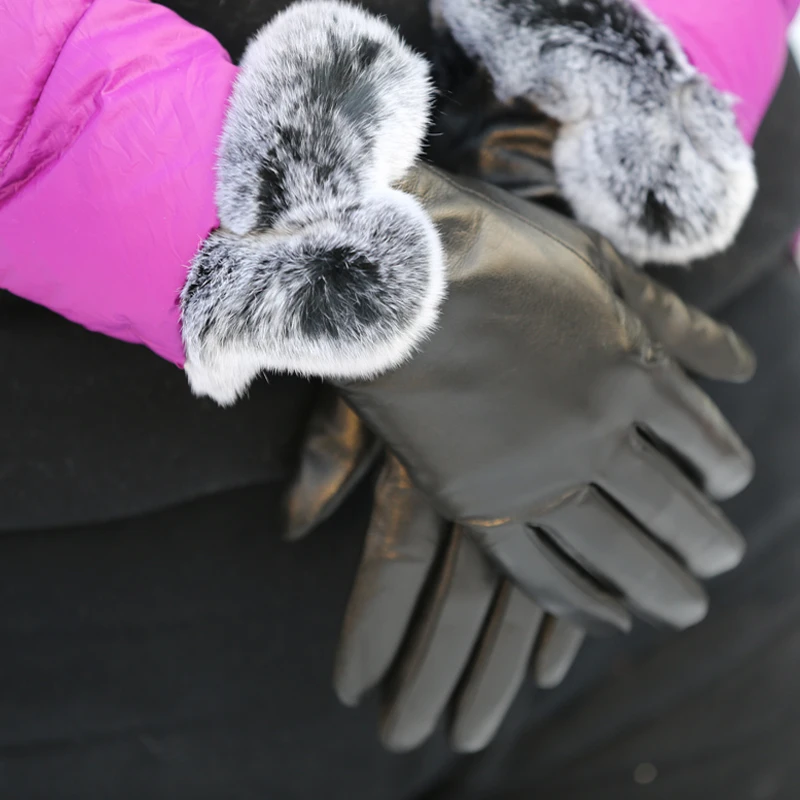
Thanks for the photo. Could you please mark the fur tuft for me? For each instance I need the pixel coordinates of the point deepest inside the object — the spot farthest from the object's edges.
(319, 266)
(346, 297)
(649, 152)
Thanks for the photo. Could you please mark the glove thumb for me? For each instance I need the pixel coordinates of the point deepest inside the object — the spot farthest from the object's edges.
(337, 452)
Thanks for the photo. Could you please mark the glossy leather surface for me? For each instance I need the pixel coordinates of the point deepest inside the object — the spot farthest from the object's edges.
(431, 621)
(522, 416)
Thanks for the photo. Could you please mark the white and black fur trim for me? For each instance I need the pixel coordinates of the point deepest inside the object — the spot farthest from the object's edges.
(649, 152)
(319, 266)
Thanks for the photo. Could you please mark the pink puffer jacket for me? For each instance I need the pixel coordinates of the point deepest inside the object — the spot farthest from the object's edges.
(739, 44)
(110, 116)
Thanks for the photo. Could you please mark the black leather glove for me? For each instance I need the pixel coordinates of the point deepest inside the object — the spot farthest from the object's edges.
(427, 605)
(549, 421)
(426, 610)
(430, 620)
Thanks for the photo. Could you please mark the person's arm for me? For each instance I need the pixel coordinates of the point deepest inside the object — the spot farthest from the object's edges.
(108, 187)
(658, 101)
(110, 116)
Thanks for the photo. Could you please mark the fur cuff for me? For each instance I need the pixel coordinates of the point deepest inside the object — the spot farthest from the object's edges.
(649, 152)
(319, 266)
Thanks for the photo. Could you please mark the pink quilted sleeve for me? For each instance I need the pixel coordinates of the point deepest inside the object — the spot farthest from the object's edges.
(740, 46)
(110, 116)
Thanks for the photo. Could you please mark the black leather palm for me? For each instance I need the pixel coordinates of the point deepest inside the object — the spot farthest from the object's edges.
(539, 414)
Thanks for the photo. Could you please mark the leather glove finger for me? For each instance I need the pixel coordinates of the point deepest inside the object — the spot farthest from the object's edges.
(559, 584)
(497, 670)
(682, 416)
(518, 639)
(659, 495)
(439, 645)
(558, 646)
(699, 343)
(401, 546)
(337, 452)
(593, 531)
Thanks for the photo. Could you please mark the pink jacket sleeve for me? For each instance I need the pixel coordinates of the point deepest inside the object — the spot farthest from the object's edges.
(740, 46)
(110, 115)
